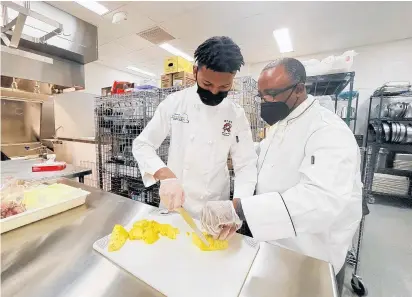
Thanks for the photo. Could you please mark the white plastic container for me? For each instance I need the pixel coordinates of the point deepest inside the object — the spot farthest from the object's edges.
(30, 216)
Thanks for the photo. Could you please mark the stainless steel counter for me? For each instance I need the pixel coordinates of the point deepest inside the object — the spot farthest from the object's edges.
(54, 257)
(21, 169)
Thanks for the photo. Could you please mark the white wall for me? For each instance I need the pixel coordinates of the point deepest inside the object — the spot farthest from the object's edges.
(98, 76)
(75, 111)
(375, 65)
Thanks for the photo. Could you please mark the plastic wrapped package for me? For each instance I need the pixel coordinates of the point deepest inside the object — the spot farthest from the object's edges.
(344, 62)
(330, 64)
(13, 189)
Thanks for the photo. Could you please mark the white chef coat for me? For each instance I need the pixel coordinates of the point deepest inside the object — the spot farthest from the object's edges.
(201, 137)
(309, 190)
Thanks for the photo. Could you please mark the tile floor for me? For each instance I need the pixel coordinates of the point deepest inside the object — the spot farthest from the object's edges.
(386, 253)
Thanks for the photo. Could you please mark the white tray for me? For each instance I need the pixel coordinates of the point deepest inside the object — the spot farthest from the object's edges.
(37, 214)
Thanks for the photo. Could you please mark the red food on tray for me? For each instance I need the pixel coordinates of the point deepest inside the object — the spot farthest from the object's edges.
(11, 208)
(55, 166)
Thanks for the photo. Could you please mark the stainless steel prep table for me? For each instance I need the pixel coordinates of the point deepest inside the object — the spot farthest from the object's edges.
(54, 258)
(21, 169)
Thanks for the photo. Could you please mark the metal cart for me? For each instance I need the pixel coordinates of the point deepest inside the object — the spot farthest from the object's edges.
(383, 134)
(353, 257)
(377, 138)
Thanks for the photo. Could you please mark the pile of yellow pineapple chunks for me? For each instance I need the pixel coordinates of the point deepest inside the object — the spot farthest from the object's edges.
(145, 230)
(150, 231)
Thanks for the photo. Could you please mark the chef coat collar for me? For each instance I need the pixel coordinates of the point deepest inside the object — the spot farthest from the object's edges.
(300, 109)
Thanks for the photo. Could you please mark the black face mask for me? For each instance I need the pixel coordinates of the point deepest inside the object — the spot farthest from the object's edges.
(273, 112)
(209, 98)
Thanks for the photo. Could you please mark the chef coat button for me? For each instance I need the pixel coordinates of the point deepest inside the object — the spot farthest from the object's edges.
(192, 136)
(210, 142)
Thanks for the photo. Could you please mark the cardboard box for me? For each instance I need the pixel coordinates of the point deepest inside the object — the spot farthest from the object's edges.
(177, 79)
(183, 79)
(106, 91)
(166, 81)
(176, 64)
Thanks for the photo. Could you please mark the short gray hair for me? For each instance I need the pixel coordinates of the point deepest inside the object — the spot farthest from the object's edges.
(294, 68)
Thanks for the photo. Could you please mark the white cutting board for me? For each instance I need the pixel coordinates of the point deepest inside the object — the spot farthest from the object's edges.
(177, 268)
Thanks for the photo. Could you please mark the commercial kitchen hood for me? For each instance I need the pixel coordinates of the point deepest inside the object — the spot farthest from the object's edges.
(42, 44)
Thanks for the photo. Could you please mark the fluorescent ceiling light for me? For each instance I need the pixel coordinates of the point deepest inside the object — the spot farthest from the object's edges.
(140, 71)
(94, 6)
(283, 39)
(175, 51)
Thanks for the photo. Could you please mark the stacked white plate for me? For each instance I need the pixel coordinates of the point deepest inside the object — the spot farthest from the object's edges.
(403, 162)
(402, 165)
(390, 184)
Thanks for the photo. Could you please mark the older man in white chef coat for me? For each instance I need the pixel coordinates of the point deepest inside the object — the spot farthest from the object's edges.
(204, 128)
(309, 190)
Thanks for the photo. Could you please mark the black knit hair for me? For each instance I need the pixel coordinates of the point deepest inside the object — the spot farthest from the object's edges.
(219, 54)
(294, 68)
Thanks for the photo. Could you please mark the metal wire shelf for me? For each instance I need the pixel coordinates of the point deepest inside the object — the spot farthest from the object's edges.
(121, 118)
(332, 85)
(328, 84)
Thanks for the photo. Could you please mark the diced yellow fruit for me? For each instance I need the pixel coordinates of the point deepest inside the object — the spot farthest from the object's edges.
(163, 229)
(117, 238)
(145, 230)
(188, 233)
(142, 223)
(149, 231)
(172, 232)
(150, 236)
(136, 233)
(214, 244)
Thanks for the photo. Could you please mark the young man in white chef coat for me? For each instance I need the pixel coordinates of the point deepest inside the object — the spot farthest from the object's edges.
(309, 190)
(204, 128)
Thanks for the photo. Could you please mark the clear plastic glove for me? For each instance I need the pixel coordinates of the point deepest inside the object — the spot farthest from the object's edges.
(171, 193)
(219, 219)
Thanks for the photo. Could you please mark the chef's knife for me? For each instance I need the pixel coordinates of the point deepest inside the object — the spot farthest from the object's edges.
(188, 219)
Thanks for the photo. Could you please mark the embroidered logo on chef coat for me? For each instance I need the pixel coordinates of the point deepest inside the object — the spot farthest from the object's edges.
(180, 117)
(227, 127)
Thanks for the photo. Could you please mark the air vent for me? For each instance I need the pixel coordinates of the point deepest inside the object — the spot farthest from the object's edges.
(156, 35)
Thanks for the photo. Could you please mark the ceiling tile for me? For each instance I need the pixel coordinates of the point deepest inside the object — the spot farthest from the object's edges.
(135, 23)
(113, 5)
(315, 27)
(133, 42)
(115, 62)
(211, 19)
(148, 54)
(113, 49)
(162, 11)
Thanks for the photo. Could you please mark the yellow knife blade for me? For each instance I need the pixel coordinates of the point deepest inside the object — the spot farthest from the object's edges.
(188, 219)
